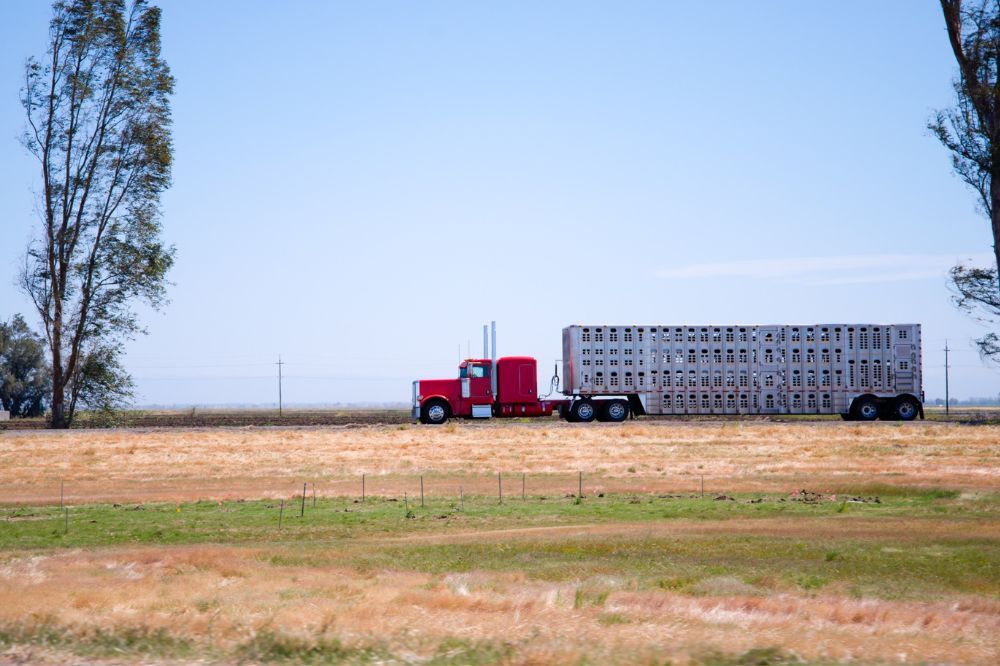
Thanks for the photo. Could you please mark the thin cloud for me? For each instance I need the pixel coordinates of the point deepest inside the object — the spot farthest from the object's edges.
(836, 270)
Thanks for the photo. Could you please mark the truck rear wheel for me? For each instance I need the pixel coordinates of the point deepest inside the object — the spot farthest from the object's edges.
(865, 408)
(434, 412)
(583, 411)
(616, 411)
(906, 408)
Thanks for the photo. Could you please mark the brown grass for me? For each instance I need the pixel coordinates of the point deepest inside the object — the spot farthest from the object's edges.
(221, 595)
(137, 465)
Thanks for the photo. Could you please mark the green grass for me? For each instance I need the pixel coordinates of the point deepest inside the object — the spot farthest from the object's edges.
(275, 647)
(97, 643)
(881, 568)
(338, 531)
(257, 521)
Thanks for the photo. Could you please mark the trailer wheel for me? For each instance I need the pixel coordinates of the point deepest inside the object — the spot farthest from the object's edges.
(616, 411)
(865, 408)
(906, 408)
(583, 411)
(434, 412)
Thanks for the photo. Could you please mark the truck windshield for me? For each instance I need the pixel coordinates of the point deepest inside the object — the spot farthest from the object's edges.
(474, 371)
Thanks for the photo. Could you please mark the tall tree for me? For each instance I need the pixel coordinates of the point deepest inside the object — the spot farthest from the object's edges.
(971, 131)
(24, 376)
(98, 121)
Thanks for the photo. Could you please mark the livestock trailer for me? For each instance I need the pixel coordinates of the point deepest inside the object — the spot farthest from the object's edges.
(861, 371)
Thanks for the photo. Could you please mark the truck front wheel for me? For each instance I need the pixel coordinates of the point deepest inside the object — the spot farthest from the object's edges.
(434, 412)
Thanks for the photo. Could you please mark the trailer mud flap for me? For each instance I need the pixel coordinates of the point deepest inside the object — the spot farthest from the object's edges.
(637, 404)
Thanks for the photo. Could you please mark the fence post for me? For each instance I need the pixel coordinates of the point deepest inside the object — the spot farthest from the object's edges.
(302, 513)
(281, 513)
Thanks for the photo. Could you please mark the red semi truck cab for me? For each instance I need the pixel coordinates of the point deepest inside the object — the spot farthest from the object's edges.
(483, 389)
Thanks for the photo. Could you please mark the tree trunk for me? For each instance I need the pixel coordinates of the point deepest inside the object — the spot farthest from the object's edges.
(995, 221)
(59, 416)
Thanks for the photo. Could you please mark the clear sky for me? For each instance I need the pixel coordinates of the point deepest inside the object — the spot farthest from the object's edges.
(358, 186)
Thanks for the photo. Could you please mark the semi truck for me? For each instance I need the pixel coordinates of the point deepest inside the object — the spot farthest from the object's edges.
(863, 372)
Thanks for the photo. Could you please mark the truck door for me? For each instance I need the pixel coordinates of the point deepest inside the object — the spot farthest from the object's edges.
(479, 384)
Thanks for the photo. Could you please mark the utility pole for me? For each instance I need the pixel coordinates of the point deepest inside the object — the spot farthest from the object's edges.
(947, 399)
(279, 364)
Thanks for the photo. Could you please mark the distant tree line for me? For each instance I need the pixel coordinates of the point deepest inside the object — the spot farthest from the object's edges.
(970, 402)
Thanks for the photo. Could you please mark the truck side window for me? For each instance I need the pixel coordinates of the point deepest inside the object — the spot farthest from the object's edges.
(479, 371)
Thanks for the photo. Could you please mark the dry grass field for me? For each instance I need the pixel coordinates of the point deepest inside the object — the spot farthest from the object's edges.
(170, 551)
(178, 464)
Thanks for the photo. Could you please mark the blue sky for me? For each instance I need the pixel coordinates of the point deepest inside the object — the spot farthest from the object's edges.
(358, 186)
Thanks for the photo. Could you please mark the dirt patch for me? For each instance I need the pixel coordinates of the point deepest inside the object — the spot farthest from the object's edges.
(797, 527)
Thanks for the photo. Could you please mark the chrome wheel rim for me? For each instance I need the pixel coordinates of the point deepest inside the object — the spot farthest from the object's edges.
(906, 409)
(585, 411)
(868, 411)
(436, 413)
(616, 411)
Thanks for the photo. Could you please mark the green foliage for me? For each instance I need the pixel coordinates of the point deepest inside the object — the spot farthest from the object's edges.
(98, 121)
(969, 131)
(24, 376)
(977, 292)
(102, 385)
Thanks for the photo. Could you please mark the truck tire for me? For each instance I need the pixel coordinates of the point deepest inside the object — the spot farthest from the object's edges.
(906, 408)
(583, 411)
(616, 411)
(865, 408)
(434, 412)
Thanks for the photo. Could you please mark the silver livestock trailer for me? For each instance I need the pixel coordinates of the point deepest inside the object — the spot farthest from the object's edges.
(860, 371)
